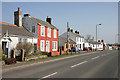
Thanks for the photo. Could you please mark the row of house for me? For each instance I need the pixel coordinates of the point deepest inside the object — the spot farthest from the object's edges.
(41, 33)
(81, 42)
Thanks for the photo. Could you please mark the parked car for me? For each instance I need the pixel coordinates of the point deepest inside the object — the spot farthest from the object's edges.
(90, 48)
(86, 49)
(74, 49)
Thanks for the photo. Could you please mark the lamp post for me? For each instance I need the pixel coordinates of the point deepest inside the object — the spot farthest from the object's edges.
(115, 37)
(96, 34)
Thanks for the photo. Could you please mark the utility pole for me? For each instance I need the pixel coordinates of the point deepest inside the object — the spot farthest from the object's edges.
(96, 34)
(96, 37)
(67, 37)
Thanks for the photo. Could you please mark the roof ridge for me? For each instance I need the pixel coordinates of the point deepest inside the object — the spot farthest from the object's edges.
(7, 24)
(44, 22)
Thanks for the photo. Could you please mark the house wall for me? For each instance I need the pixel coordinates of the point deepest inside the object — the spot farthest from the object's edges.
(79, 42)
(28, 23)
(14, 42)
(46, 38)
(70, 46)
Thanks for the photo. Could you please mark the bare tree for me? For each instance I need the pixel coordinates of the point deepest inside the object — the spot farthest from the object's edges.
(27, 46)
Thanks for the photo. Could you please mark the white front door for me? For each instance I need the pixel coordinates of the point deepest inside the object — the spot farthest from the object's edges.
(47, 46)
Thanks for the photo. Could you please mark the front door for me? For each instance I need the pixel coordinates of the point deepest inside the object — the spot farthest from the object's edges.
(4, 48)
(47, 46)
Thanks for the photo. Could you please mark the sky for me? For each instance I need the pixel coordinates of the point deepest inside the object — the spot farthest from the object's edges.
(82, 16)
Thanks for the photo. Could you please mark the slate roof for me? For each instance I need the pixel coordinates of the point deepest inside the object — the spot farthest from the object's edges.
(78, 35)
(43, 23)
(14, 30)
(63, 40)
(72, 34)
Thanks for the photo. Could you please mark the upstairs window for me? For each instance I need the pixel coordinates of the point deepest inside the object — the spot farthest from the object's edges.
(48, 32)
(33, 29)
(42, 31)
(55, 33)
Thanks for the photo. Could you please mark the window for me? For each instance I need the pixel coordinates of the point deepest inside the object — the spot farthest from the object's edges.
(55, 33)
(25, 40)
(77, 39)
(33, 29)
(54, 45)
(20, 39)
(49, 32)
(42, 45)
(42, 31)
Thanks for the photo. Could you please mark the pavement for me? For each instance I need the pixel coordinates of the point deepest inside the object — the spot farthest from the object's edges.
(100, 64)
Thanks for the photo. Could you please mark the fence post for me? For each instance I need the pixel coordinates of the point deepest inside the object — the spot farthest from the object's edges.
(22, 54)
(13, 54)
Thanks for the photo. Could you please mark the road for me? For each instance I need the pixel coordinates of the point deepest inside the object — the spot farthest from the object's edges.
(101, 64)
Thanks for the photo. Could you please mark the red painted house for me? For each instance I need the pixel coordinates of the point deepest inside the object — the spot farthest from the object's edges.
(46, 33)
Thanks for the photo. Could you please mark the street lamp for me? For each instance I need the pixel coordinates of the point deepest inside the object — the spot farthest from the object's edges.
(96, 34)
(116, 36)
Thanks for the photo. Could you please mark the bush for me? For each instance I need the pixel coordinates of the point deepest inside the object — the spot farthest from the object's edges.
(10, 61)
(27, 46)
(44, 53)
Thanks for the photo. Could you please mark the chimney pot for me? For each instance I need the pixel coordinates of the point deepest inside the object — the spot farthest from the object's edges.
(18, 9)
(76, 32)
(48, 20)
(26, 15)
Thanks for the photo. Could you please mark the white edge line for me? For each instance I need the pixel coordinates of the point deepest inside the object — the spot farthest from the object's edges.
(50, 75)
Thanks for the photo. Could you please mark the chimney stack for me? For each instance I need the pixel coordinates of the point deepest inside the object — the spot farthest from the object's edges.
(102, 40)
(18, 9)
(26, 15)
(48, 20)
(71, 30)
(18, 18)
(76, 32)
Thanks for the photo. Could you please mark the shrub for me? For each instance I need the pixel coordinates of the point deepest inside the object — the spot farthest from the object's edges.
(10, 61)
(27, 46)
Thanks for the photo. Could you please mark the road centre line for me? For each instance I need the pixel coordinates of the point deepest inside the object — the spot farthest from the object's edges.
(50, 75)
(96, 57)
(79, 64)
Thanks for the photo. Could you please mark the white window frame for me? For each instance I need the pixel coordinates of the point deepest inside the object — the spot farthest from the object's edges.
(42, 48)
(43, 31)
(48, 46)
(53, 45)
(55, 33)
(49, 32)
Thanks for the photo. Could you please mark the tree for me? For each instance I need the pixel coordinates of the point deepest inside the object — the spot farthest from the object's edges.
(27, 46)
(89, 38)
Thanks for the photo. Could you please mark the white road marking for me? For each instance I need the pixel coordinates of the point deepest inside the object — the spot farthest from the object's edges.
(79, 64)
(96, 57)
(49, 75)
